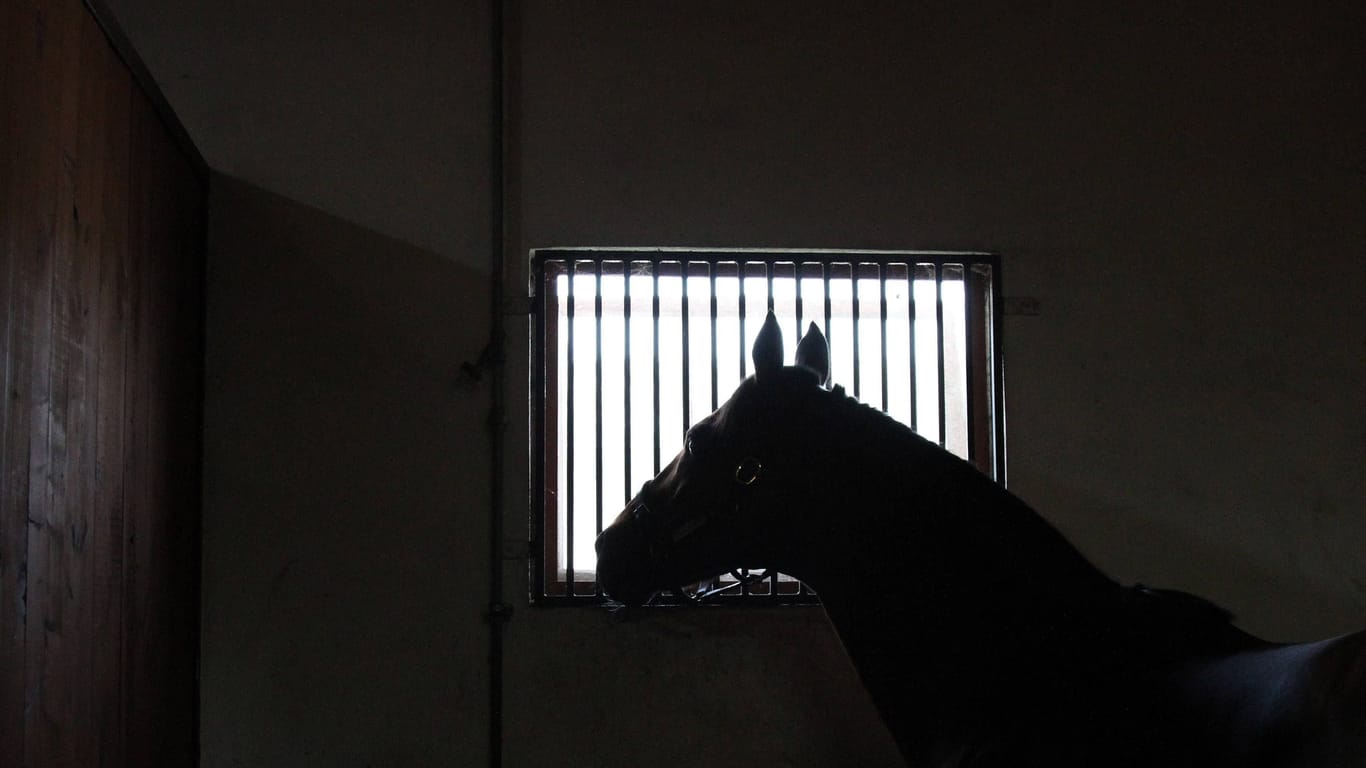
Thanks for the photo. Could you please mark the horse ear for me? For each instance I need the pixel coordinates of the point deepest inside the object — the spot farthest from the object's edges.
(768, 348)
(814, 352)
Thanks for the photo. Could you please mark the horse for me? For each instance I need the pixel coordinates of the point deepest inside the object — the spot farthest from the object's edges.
(983, 637)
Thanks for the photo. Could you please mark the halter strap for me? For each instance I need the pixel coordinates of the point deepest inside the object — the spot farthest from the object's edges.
(746, 474)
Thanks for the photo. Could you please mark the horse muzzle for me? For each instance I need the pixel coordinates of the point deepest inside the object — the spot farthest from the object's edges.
(625, 567)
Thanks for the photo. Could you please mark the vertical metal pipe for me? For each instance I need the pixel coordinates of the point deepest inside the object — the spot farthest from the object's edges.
(882, 327)
(715, 385)
(654, 323)
(687, 350)
(768, 276)
(825, 295)
(971, 306)
(797, 286)
(826, 309)
(498, 612)
(543, 296)
(768, 282)
(597, 403)
(740, 267)
(911, 316)
(626, 374)
(995, 349)
(939, 343)
(570, 453)
(857, 316)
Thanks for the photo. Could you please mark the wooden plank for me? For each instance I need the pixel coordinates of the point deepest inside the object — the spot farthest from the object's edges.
(46, 36)
(56, 573)
(108, 506)
(18, 58)
(101, 223)
(100, 315)
(79, 341)
(137, 726)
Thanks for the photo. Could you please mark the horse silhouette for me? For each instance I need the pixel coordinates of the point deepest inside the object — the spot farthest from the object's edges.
(983, 637)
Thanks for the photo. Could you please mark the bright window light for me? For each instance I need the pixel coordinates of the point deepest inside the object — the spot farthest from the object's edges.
(628, 385)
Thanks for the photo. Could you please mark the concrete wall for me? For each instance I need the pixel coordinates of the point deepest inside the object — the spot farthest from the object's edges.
(345, 494)
(372, 112)
(1180, 189)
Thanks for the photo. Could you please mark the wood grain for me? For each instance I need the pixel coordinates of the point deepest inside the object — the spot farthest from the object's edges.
(101, 226)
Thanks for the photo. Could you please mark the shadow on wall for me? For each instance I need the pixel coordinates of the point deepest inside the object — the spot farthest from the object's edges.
(1263, 596)
(345, 540)
(707, 686)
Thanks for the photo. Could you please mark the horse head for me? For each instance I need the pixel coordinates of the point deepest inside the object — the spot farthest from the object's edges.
(716, 506)
(981, 633)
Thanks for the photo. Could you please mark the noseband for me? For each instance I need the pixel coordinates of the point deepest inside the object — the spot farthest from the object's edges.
(661, 541)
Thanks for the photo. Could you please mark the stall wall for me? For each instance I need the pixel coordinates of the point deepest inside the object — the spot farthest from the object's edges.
(346, 472)
(1180, 188)
(101, 265)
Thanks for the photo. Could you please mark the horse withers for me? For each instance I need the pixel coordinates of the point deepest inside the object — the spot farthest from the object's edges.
(983, 637)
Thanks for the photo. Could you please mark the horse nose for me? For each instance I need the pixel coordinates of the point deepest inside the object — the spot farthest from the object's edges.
(623, 570)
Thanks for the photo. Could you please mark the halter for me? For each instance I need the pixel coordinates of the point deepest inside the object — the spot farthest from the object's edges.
(661, 543)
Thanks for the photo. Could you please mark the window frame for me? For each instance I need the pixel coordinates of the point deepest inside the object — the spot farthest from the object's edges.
(982, 338)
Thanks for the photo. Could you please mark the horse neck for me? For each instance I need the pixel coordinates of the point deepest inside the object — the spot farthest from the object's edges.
(911, 533)
(899, 510)
(946, 555)
(965, 613)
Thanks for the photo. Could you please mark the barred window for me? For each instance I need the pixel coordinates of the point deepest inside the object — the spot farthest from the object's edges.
(632, 347)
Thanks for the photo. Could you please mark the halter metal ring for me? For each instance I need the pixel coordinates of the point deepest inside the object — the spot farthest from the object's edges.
(748, 471)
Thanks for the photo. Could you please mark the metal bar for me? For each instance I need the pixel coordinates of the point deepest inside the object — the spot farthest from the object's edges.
(715, 384)
(498, 611)
(882, 328)
(754, 256)
(970, 308)
(538, 419)
(857, 315)
(825, 295)
(654, 322)
(769, 268)
(744, 319)
(939, 342)
(569, 435)
(744, 358)
(711, 322)
(797, 286)
(626, 376)
(994, 348)
(911, 320)
(768, 280)
(687, 354)
(597, 405)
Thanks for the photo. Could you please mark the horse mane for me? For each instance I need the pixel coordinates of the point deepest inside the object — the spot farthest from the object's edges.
(1178, 624)
(1178, 602)
(1176, 620)
(851, 413)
